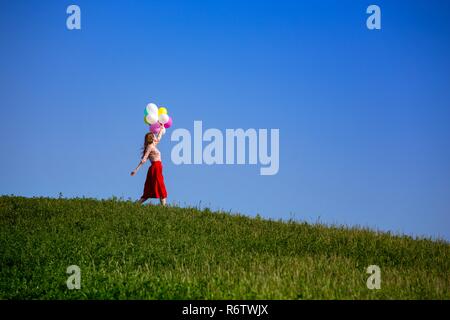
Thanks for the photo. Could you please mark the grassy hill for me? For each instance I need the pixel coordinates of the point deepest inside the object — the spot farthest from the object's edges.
(127, 251)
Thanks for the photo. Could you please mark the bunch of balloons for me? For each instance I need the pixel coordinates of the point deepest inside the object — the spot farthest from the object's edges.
(156, 118)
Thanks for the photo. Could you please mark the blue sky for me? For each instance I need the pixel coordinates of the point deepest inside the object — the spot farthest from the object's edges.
(364, 116)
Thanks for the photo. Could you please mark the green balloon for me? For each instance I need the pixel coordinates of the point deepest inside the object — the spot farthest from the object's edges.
(145, 120)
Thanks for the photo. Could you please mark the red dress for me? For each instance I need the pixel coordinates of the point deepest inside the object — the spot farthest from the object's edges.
(154, 183)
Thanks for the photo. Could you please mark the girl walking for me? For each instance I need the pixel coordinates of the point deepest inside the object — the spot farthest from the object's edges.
(154, 183)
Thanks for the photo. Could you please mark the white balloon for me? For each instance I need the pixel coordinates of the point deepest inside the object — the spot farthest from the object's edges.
(163, 130)
(151, 118)
(163, 118)
(152, 109)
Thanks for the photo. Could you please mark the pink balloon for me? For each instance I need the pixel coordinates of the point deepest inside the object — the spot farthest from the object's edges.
(168, 124)
(154, 128)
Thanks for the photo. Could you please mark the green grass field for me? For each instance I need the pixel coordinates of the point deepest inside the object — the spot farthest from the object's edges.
(127, 251)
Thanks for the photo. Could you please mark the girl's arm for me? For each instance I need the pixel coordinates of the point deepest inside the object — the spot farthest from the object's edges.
(137, 168)
(160, 134)
(144, 158)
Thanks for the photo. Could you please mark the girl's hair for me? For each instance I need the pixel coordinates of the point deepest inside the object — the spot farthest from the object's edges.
(148, 139)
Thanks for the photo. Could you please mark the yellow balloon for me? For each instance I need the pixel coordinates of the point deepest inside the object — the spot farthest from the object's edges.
(162, 110)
